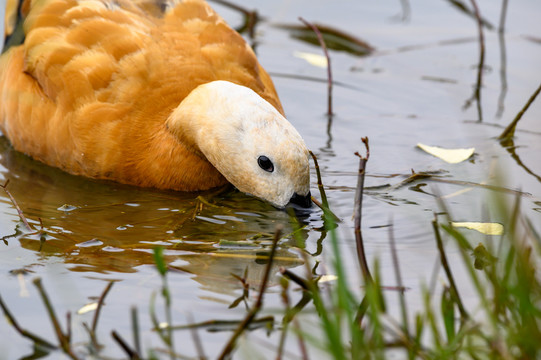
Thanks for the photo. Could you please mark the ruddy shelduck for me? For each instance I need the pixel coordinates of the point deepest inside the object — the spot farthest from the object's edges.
(153, 93)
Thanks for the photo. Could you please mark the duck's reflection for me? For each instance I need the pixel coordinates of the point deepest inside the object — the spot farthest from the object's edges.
(105, 227)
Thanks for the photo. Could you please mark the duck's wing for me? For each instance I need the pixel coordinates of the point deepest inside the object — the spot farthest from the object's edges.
(76, 47)
(90, 88)
(71, 54)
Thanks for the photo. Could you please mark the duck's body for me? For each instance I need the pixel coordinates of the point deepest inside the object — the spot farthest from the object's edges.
(97, 88)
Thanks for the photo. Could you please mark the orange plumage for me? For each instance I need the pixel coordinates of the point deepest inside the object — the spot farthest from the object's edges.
(91, 87)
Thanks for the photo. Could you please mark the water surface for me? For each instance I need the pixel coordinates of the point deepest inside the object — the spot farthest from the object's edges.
(415, 87)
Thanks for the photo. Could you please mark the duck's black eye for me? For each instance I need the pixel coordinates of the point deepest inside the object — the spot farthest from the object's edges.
(265, 163)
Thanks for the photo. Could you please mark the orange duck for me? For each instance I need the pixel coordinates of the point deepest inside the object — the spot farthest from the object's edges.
(151, 93)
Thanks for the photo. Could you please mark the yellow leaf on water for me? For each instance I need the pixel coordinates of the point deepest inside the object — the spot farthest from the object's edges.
(327, 278)
(451, 156)
(312, 59)
(87, 308)
(484, 228)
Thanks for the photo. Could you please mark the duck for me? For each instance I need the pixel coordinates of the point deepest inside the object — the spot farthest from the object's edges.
(153, 93)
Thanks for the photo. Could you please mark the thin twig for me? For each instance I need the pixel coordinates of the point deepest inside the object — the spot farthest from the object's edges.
(319, 182)
(100, 304)
(295, 278)
(503, 74)
(25, 333)
(447, 269)
(62, 338)
(358, 213)
(133, 355)
(509, 145)
(329, 71)
(503, 14)
(68, 324)
(477, 92)
(19, 211)
(431, 177)
(135, 329)
(259, 302)
(509, 131)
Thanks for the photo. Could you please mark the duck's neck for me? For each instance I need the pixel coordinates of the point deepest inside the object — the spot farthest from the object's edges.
(206, 118)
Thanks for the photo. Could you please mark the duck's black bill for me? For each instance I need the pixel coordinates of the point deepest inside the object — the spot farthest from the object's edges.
(304, 201)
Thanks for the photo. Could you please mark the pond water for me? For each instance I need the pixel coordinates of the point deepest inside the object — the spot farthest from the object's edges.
(414, 87)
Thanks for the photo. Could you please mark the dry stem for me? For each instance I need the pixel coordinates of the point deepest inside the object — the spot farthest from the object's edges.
(19, 211)
(358, 213)
(509, 131)
(329, 71)
(447, 269)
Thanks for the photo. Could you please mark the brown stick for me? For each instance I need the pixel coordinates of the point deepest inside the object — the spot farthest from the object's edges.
(135, 329)
(19, 211)
(100, 304)
(324, 205)
(358, 213)
(62, 338)
(319, 182)
(259, 302)
(133, 355)
(509, 131)
(329, 71)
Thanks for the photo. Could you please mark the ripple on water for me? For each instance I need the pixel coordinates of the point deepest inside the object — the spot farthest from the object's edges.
(90, 243)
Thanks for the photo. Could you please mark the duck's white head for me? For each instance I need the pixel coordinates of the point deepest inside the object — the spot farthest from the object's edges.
(250, 143)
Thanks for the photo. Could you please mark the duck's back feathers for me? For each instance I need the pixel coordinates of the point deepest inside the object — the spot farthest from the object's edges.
(92, 85)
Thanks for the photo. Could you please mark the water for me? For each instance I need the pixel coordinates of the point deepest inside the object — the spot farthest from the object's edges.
(412, 89)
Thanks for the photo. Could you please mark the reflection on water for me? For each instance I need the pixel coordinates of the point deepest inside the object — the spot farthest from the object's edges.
(107, 227)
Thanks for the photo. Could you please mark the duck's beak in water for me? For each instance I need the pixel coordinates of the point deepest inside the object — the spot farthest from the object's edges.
(304, 201)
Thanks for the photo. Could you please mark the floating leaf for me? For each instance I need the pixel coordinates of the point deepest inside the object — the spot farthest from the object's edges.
(87, 308)
(312, 59)
(327, 278)
(452, 156)
(334, 39)
(482, 227)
